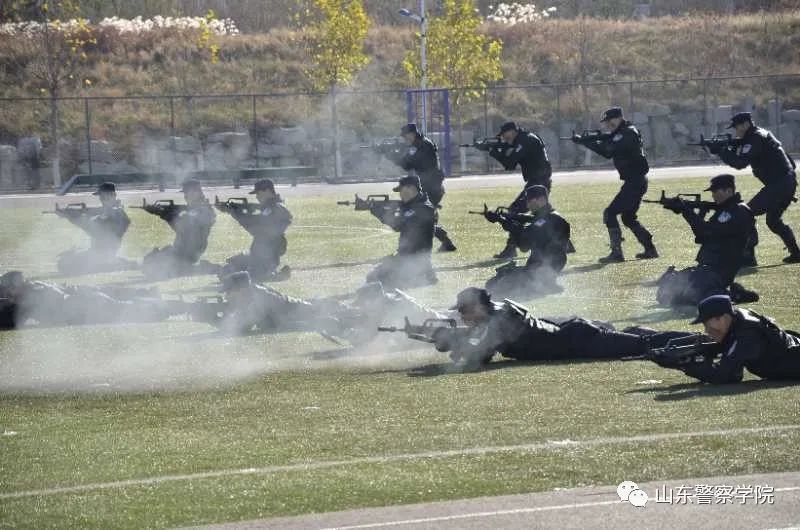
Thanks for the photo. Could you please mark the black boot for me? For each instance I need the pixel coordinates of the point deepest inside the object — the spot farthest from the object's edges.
(650, 252)
(615, 238)
(510, 252)
(446, 243)
(644, 238)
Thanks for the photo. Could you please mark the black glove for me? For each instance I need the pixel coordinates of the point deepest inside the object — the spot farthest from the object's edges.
(442, 340)
(675, 205)
(483, 146)
(492, 217)
(577, 139)
(715, 148)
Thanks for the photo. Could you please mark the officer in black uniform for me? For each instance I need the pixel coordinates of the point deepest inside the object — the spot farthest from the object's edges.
(746, 339)
(411, 266)
(525, 149)
(760, 150)
(547, 238)
(624, 146)
(510, 330)
(106, 228)
(268, 227)
(192, 227)
(722, 239)
(422, 159)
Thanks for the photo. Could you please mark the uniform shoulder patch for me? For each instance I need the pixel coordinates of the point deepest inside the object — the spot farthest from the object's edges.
(746, 148)
(408, 213)
(540, 222)
(519, 148)
(412, 150)
(724, 217)
(617, 137)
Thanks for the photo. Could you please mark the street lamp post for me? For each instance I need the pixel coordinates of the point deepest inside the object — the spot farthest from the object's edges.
(422, 20)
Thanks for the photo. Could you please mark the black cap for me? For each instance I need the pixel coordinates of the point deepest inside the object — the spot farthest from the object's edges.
(237, 280)
(263, 185)
(11, 278)
(106, 187)
(613, 112)
(713, 306)
(741, 117)
(409, 128)
(472, 296)
(507, 126)
(191, 184)
(722, 181)
(535, 191)
(410, 180)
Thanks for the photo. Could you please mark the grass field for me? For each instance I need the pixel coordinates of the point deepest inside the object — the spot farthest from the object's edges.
(101, 404)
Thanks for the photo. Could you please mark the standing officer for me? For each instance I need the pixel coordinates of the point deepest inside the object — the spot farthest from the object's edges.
(411, 265)
(192, 226)
(624, 146)
(106, 228)
(525, 149)
(746, 340)
(722, 238)
(547, 238)
(422, 158)
(268, 227)
(510, 330)
(760, 150)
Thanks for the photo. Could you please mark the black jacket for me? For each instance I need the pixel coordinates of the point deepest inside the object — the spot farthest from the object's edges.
(267, 228)
(760, 150)
(422, 157)
(414, 220)
(192, 227)
(547, 238)
(626, 148)
(105, 228)
(723, 237)
(529, 152)
(754, 342)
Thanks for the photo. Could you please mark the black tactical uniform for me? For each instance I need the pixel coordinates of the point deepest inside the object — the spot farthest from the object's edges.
(265, 309)
(106, 226)
(754, 342)
(268, 228)
(722, 239)
(547, 238)
(625, 147)
(415, 219)
(49, 304)
(422, 158)
(529, 153)
(192, 227)
(760, 150)
(512, 332)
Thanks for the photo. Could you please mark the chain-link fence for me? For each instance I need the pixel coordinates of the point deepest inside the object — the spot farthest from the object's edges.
(178, 135)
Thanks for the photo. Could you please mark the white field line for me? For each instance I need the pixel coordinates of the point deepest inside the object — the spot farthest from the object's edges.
(470, 451)
(478, 515)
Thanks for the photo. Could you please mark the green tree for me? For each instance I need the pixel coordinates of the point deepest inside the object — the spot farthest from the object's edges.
(55, 51)
(458, 53)
(337, 30)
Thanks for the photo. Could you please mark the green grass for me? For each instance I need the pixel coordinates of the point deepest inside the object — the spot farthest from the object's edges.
(205, 403)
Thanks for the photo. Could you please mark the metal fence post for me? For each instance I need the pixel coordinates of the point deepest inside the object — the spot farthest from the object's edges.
(88, 118)
(630, 94)
(255, 133)
(557, 89)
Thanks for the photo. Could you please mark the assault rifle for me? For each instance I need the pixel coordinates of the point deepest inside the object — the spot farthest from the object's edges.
(208, 309)
(716, 143)
(690, 200)
(484, 144)
(678, 351)
(366, 204)
(74, 210)
(164, 208)
(386, 146)
(239, 205)
(502, 214)
(428, 331)
(587, 136)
